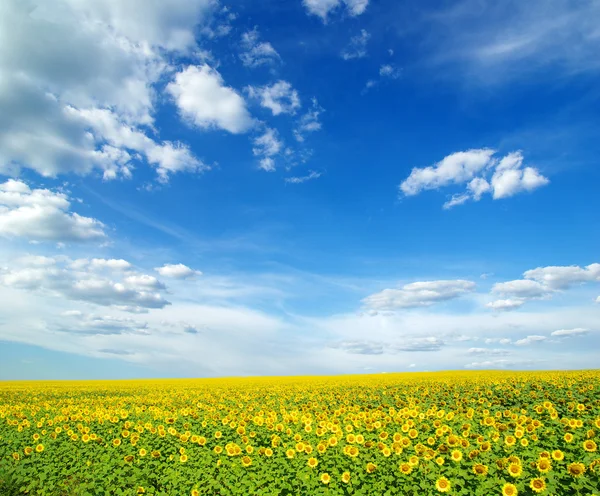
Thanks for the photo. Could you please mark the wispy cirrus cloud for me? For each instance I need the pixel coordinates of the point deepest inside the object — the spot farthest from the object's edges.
(518, 40)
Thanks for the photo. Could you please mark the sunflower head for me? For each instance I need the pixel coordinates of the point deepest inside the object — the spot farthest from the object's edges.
(443, 485)
(325, 478)
(515, 470)
(576, 469)
(346, 477)
(509, 490)
(538, 485)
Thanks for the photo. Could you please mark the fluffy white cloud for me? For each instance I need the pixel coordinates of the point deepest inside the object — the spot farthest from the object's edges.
(507, 179)
(418, 294)
(323, 8)
(530, 340)
(98, 264)
(357, 48)
(562, 277)
(80, 282)
(177, 271)
(256, 53)
(542, 283)
(521, 288)
(279, 97)
(43, 215)
(497, 340)
(456, 168)
(309, 122)
(508, 304)
(168, 157)
(578, 331)
(510, 178)
(205, 101)
(83, 55)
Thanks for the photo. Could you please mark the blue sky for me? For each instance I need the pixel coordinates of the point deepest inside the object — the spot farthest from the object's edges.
(193, 188)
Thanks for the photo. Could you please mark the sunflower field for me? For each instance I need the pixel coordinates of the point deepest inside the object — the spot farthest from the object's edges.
(458, 433)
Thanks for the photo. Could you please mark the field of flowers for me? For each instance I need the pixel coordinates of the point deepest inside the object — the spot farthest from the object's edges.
(460, 433)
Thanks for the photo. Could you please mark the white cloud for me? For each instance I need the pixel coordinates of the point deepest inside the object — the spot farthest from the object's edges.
(488, 351)
(302, 179)
(309, 122)
(426, 344)
(84, 55)
(79, 282)
(203, 99)
(144, 282)
(456, 168)
(502, 363)
(598, 299)
(267, 164)
(508, 304)
(386, 72)
(279, 97)
(323, 8)
(256, 53)
(267, 144)
(578, 331)
(43, 215)
(177, 271)
(562, 277)
(518, 39)
(102, 263)
(542, 283)
(357, 48)
(508, 177)
(418, 294)
(530, 340)
(168, 157)
(498, 340)
(521, 288)
(90, 324)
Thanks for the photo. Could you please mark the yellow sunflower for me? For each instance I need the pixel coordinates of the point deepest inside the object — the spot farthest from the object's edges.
(538, 485)
(509, 490)
(443, 485)
(325, 478)
(515, 470)
(576, 469)
(346, 477)
(544, 465)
